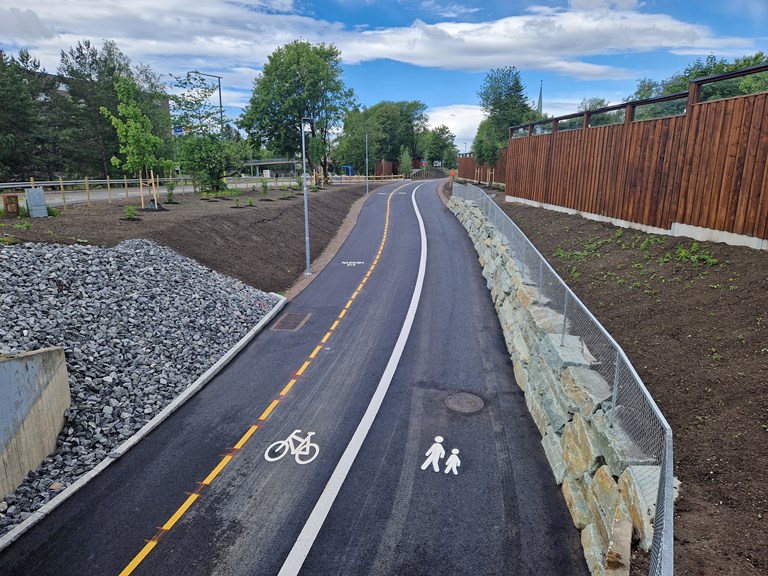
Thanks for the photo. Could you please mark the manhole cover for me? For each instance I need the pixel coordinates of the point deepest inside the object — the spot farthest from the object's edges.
(291, 321)
(464, 402)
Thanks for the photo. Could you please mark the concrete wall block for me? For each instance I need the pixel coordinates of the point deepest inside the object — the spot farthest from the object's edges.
(616, 447)
(581, 454)
(576, 500)
(554, 453)
(638, 486)
(585, 388)
(594, 551)
(33, 398)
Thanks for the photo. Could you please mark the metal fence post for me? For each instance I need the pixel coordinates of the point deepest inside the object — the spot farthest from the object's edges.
(615, 394)
(565, 318)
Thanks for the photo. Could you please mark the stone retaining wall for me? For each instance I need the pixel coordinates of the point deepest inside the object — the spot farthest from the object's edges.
(610, 494)
(34, 393)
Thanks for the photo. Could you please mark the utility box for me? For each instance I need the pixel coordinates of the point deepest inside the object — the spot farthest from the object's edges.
(36, 205)
(11, 205)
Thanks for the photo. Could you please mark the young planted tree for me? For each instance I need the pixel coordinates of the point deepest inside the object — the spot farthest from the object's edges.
(406, 162)
(208, 158)
(300, 80)
(138, 144)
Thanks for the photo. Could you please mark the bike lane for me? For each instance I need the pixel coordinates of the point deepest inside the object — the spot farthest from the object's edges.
(199, 486)
(253, 510)
(452, 478)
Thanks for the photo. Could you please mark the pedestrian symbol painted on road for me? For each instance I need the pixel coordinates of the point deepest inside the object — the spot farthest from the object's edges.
(453, 462)
(302, 449)
(436, 453)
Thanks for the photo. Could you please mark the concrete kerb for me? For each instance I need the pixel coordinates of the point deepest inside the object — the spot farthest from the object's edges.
(163, 415)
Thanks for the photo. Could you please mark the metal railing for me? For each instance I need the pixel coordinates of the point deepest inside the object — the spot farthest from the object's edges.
(633, 410)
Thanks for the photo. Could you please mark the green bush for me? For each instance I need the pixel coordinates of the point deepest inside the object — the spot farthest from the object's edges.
(130, 212)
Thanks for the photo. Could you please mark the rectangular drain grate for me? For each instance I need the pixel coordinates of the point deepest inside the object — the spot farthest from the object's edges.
(291, 322)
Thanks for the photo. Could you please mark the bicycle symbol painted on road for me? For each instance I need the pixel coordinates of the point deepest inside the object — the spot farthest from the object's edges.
(302, 449)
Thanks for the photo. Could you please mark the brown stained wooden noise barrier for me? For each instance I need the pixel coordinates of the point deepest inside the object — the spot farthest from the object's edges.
(706, 167)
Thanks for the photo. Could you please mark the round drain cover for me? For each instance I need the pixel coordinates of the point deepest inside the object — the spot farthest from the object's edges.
(464, 402)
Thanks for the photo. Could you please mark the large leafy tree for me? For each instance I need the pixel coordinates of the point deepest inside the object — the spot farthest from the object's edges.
(502, 97)
(191, 105)
(90, 74)
(441, 144)
(390, 126)
(710, 66)
(299, 80)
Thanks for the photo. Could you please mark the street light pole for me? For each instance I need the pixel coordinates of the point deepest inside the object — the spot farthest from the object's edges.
(366, 163)
(304, 180)
(221, 108)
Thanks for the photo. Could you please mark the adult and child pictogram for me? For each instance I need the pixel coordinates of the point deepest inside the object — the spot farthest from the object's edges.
(436, 453)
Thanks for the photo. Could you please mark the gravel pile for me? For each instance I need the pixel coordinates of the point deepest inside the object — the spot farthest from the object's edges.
(138, 322)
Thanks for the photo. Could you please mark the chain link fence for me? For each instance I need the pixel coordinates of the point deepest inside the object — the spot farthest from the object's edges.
(633, 410)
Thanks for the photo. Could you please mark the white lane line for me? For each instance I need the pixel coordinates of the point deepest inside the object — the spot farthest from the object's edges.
(319, 513)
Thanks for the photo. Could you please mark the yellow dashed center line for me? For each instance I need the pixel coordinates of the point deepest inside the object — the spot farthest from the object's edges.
(180, 512)
(212, 475)
(269, 409)
(149, 546)
(250, 432)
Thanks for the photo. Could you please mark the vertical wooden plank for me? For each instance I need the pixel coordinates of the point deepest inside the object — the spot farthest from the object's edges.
(706, 143)
(729, 187)
(658, 173)
(760, 225)
(755, 159)
(716, 166)
(670, 183)
(686, 156)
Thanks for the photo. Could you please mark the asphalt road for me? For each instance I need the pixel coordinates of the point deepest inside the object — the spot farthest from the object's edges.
(198, 496)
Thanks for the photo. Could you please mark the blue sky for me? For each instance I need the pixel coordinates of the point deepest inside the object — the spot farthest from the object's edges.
(436, 51)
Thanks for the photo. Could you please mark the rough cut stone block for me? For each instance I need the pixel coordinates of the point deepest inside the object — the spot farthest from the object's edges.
(616, 447)
(562, 352)
(521, 347)
(548, 321)
(605, 502)
(619, 553)
(585, 388)
(554, 453)
(527, 295)
(580, 453)
(573, 492)
(521, 374)
(594, 551)
(638, 485)
(533, 401)
(504, 279)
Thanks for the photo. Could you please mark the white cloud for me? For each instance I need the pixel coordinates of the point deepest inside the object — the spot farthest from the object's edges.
(234, 37)
(23, 25)
(603, 4)
(461, 119)
(447, 10)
